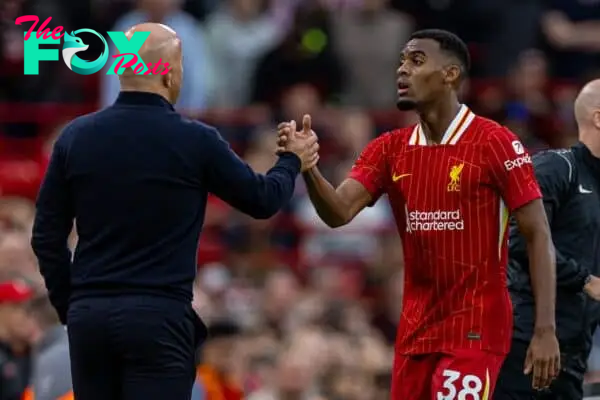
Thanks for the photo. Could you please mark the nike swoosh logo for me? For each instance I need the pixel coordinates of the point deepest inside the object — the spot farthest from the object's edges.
(396, 178)
(584, 190)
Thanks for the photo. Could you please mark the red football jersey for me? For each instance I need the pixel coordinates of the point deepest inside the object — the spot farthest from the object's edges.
(451, 203)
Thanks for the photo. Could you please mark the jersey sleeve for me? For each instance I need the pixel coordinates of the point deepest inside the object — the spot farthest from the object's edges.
(371, 167)
(512, 169)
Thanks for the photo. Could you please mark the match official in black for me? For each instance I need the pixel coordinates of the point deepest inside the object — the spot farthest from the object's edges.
(570, 183)
(135, 178)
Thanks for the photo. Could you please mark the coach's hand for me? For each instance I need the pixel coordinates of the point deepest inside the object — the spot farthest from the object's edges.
(303, 143)
(543, 358)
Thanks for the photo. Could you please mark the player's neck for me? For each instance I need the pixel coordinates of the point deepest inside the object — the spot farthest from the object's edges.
(436, 119)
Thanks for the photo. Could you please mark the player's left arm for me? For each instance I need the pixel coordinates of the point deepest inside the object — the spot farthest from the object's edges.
(51, 229)
(515, 179)
(513, 173)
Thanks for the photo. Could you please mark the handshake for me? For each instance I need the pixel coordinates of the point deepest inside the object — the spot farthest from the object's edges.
(303, 143)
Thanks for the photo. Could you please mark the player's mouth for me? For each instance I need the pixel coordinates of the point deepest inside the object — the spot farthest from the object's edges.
(403, 88)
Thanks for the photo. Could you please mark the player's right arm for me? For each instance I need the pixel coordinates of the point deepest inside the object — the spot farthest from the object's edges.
(336, 206)
(364, 185)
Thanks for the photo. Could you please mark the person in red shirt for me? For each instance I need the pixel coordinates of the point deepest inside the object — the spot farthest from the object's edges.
(452, 180)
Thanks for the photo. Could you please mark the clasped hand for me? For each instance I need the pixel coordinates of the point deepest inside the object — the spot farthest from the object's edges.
(303, 143)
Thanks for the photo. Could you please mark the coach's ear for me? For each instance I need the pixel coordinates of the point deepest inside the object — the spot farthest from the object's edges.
(167, 80)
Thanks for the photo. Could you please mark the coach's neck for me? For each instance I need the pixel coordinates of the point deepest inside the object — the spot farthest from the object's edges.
(145, 89)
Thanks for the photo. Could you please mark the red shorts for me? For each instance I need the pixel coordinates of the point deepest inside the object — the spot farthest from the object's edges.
(456, 375)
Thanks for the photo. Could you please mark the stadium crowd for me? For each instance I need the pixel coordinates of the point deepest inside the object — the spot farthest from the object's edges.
(296, 311)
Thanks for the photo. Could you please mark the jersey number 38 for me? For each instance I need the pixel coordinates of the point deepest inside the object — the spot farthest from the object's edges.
(460, 387)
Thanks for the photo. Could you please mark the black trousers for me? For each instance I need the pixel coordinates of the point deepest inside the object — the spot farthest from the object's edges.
(513, 384)
(133, 347)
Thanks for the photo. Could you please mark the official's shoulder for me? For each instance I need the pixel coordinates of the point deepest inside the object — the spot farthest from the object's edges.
(558, 160)
(554, 154)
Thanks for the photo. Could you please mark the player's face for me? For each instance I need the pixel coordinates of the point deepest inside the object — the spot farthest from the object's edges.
(421, 75)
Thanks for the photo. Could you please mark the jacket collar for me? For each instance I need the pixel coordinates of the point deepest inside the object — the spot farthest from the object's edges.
(143, 99)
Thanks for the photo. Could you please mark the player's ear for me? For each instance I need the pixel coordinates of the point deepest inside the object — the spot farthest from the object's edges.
(452, 74)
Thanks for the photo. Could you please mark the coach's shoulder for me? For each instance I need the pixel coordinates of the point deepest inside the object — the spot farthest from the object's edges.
(197, 128)
(76, 127)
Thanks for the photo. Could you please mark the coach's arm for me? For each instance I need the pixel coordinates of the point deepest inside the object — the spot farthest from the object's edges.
(51, 229)
(233, 180)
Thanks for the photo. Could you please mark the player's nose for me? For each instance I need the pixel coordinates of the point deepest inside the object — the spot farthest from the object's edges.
(402, 71)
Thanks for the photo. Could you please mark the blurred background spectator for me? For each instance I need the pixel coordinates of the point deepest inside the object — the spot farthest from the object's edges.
(296, 310)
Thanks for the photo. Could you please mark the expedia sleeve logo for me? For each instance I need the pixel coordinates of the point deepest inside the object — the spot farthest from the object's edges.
(518, 162)
(518, 147)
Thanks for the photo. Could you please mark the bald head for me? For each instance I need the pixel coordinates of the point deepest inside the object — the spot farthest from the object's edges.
(587, 106)
(162, 54)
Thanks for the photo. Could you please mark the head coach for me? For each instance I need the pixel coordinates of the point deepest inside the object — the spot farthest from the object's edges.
(570, 183)
(134, 178)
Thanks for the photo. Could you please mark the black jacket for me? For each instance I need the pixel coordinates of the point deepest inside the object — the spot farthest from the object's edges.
(135, 177)
(570, 183)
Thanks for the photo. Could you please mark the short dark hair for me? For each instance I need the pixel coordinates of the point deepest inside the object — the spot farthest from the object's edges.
(448, 42)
